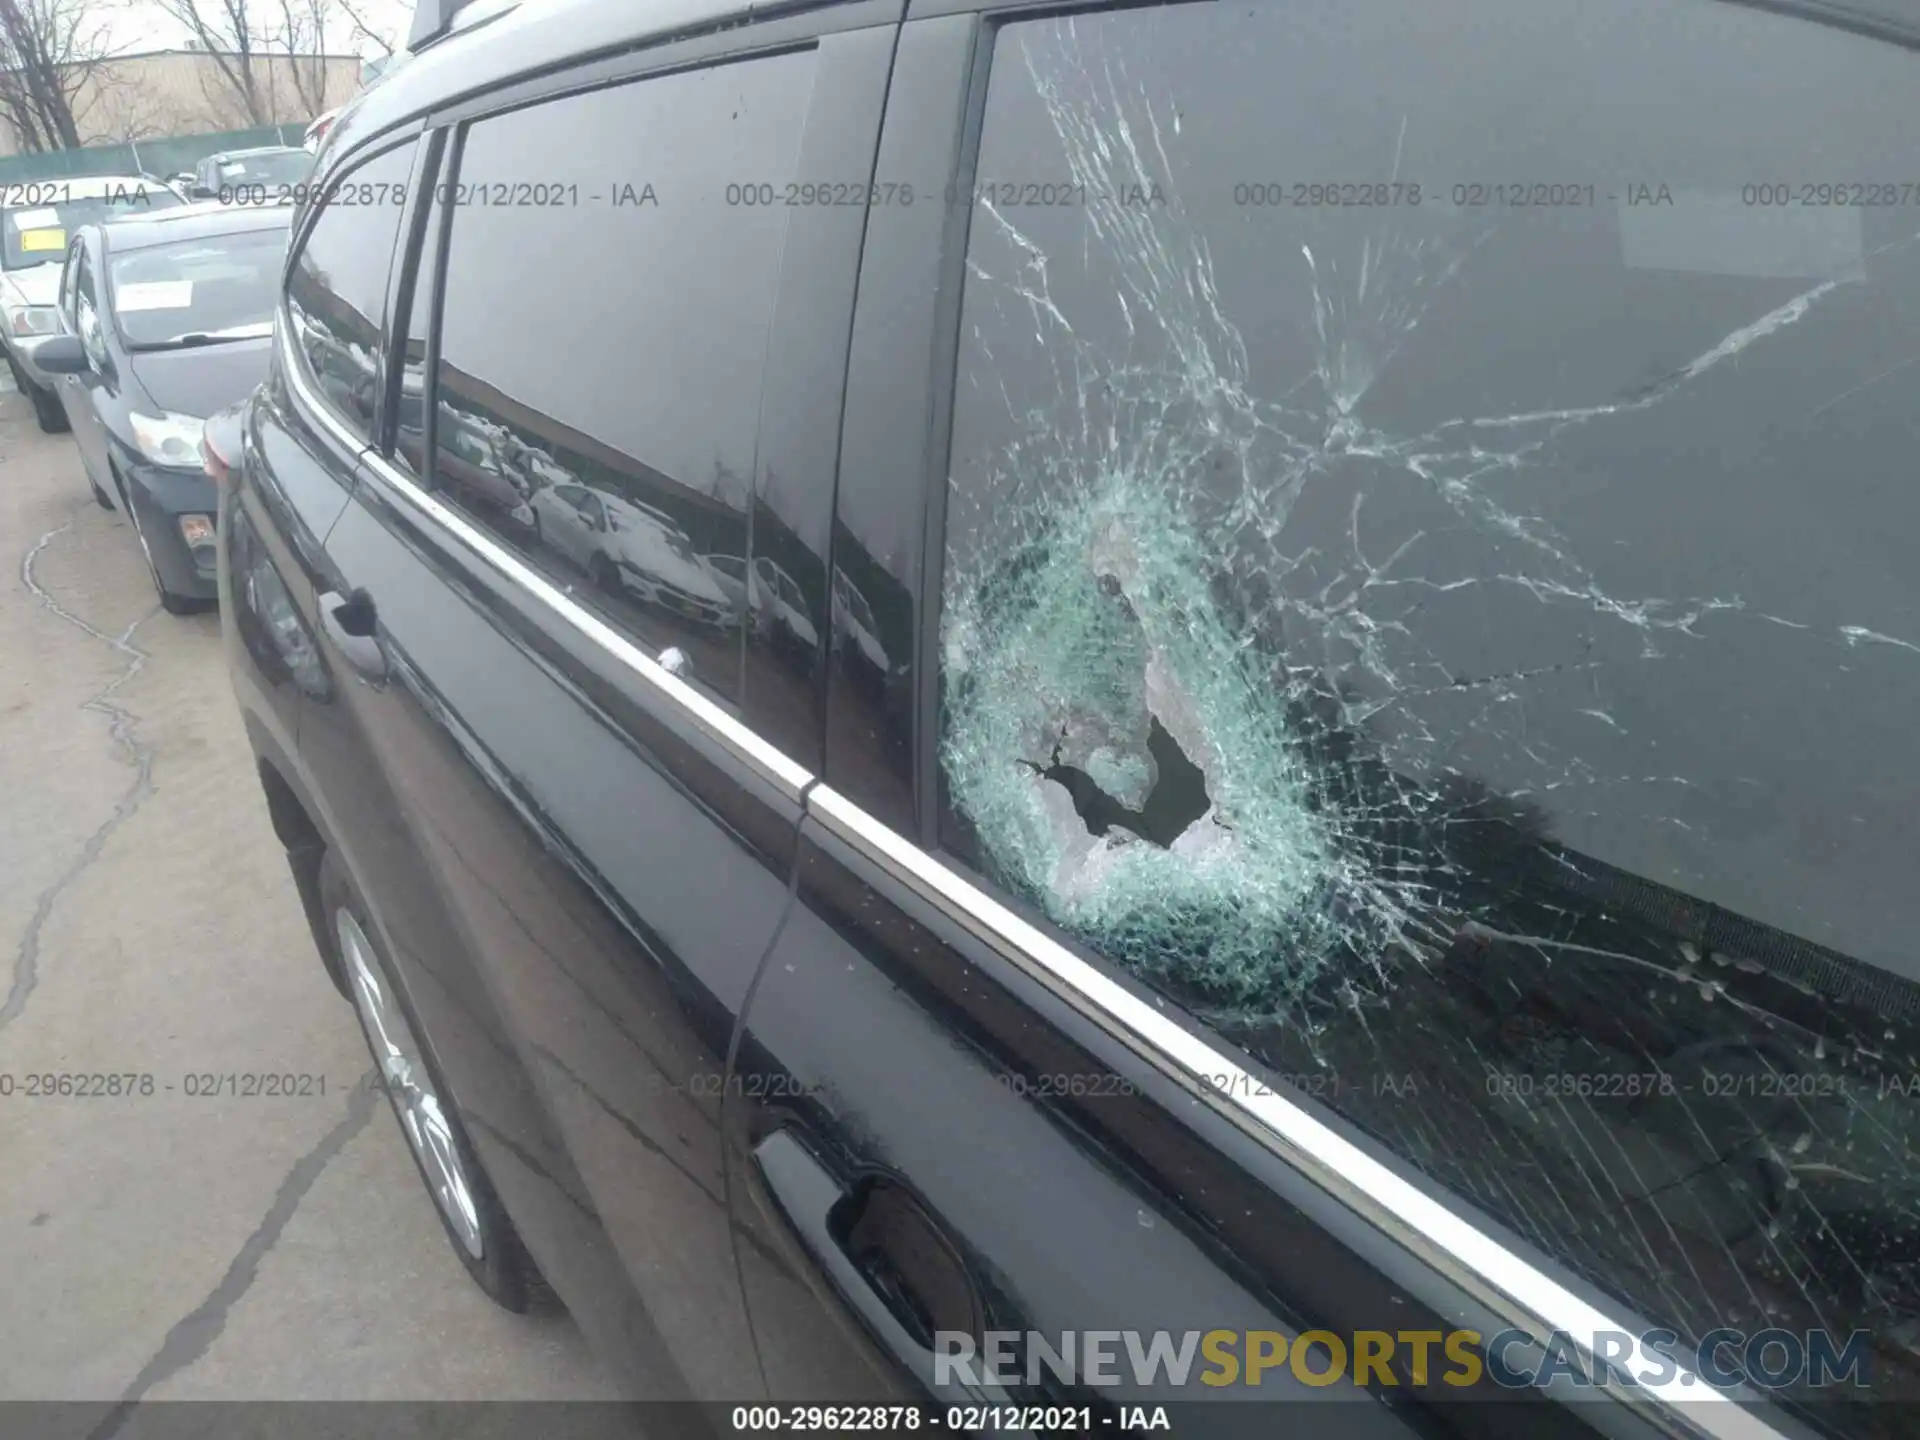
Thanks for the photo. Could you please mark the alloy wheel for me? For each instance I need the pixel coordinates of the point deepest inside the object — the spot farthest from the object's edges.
(409, 1086)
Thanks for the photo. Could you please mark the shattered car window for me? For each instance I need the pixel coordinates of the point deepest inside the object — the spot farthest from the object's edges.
(1429, 587)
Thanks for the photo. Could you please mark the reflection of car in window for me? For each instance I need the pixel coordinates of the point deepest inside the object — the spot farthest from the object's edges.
(627, 548)
(853, 620)
(469, 458)
(782, 610)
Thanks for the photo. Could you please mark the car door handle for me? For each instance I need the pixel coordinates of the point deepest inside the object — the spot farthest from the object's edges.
(812, 1201)
(353, 626)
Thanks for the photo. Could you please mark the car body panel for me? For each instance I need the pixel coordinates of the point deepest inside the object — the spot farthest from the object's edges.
(201, 381)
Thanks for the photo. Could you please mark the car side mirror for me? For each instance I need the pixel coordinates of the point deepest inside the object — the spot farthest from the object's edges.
(62, 355)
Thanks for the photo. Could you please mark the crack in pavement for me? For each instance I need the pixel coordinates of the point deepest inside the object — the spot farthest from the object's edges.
(26, 965)
(193, 1335)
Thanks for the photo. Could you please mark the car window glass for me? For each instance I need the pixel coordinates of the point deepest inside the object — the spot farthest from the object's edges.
(86, 314)
(609, 328)
(1428, 587)
(271, 173)
(221, 287)
(337, 290)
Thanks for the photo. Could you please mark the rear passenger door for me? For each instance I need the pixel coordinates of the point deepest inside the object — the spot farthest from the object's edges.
(578, 857)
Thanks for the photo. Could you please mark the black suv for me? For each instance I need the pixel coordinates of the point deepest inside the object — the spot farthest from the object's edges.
(1095, 706)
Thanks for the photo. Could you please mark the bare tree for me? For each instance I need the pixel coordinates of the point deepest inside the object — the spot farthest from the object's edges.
(262, 48)
(118, 108)
(230, 34)
(49, 52)
(302, 38)
(358, 28)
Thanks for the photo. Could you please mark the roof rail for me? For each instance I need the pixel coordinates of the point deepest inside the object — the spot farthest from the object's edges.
(433, 19)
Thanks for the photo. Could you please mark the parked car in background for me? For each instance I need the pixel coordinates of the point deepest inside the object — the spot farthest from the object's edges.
(317, 128)
(264, 175)
(164, 321)
(37, 221)
(1338, 772)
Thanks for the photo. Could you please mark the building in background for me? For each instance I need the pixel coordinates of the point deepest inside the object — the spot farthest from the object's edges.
(162, 93)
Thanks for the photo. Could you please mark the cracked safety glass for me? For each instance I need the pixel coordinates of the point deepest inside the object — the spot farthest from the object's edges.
(1428, 588)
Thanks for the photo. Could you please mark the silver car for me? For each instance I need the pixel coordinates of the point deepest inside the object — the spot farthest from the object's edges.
(38, 219)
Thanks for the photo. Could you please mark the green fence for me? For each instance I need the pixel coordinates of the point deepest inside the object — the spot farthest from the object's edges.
(146, 157)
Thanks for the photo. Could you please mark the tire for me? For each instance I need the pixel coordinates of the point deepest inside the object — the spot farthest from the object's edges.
(602, 572)
(48, 412)
(100, 497)
(429, 1119)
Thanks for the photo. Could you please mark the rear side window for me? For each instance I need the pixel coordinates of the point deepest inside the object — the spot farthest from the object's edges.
(337, 290)
(1428, 586)
(604, 331)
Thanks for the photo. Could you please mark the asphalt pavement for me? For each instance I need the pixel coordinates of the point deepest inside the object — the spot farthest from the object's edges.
(167, 1235)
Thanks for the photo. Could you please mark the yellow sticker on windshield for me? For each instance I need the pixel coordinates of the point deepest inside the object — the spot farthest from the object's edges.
(43, 240)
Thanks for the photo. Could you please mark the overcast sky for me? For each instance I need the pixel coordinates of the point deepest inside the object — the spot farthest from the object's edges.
(143, 25)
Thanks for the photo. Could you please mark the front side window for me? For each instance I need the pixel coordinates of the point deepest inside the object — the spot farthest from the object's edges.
(86, 314)
(1428, 589)
(603, 337)
(198, 292)
(68, 277)
(337, 289)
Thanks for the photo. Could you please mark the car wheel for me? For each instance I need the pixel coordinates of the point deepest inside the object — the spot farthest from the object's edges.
(603, 572)
(470, 1212)
(48, 412)
(171, 601)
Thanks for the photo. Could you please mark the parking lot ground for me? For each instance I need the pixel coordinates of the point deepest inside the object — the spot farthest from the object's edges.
(163, 1242)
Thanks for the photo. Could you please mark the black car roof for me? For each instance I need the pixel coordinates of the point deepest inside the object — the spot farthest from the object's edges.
(536, 36)
(543, 35)
(193, 222)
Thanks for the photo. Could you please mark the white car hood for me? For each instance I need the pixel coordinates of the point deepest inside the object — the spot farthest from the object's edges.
(647, 550)
(39, 285)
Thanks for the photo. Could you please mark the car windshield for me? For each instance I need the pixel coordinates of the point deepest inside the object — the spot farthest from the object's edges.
(36, 231)
(199, 291)
(270, 167)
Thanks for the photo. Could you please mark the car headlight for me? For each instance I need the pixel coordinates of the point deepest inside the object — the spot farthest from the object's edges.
(33, 320)
(169, 439)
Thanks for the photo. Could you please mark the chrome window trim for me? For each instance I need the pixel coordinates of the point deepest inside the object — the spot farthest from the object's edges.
(1437, 1236)
(790, 778)
(293, 363)
(1434, 1234)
